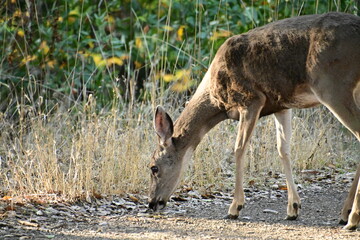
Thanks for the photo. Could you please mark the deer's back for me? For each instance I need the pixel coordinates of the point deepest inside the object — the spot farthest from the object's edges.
(283, 59)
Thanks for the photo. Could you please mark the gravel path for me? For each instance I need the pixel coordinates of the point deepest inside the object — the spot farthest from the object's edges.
(191, 216)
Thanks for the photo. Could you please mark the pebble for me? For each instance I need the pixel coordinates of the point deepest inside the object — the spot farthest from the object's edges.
(270, 211)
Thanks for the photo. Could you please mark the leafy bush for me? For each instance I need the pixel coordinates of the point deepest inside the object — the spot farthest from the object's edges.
(122, 51)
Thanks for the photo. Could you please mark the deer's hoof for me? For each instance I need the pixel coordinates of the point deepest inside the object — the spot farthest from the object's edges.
(291, 218)
(293, 211)
(350, 227)
(342, 222)
(232, 217)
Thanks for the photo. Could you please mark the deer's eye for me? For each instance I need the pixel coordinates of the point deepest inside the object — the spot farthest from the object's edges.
(154, 169)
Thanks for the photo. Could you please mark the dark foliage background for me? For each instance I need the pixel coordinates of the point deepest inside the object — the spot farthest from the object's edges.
(125, 51)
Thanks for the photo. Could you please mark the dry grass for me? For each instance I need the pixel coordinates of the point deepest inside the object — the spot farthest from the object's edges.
(76, 155)
(85, 153)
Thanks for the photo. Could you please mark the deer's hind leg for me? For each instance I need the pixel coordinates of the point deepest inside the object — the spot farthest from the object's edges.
(350, 213)
(283, 136)
(344, 103)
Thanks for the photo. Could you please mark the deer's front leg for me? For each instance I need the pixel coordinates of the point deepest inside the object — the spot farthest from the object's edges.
(247, 122)
(239, 196)
(283, 136)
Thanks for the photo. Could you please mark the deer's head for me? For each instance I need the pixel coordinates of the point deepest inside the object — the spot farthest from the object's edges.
(166, 162)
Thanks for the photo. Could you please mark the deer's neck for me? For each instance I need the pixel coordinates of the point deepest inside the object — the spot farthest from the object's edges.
(198, 117)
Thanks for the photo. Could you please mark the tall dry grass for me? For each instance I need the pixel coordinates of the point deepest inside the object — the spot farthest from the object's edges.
(88, 152)
(76, 154)
(318, 141)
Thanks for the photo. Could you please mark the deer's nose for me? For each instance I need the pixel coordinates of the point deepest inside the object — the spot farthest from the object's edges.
(155, 205)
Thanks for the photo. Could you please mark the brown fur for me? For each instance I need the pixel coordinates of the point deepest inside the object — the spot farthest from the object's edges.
(263, 60)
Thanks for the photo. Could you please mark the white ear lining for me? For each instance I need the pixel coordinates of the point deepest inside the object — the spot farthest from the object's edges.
(165, 143)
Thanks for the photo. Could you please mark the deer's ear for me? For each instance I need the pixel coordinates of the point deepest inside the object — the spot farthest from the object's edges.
(163, 125)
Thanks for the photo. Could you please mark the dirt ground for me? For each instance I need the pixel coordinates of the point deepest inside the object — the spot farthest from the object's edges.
(189, 216)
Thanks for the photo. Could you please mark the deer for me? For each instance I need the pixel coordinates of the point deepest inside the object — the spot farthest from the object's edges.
(295, 63)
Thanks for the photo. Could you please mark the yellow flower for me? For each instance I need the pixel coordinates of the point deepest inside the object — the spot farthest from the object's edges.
(110, 19)
(17, 13)
(178, 87)
(183, 74)
(183, 80)
(220, 34)
(21, 33)
(44, 47)
(28, 59)
(114, 60)
(75, 12)
(51, 63)
(98, 60)
(180, 33)
(169, 77)
(138, 43)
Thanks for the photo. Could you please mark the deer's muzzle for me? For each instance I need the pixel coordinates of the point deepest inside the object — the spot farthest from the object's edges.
(157, 205)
